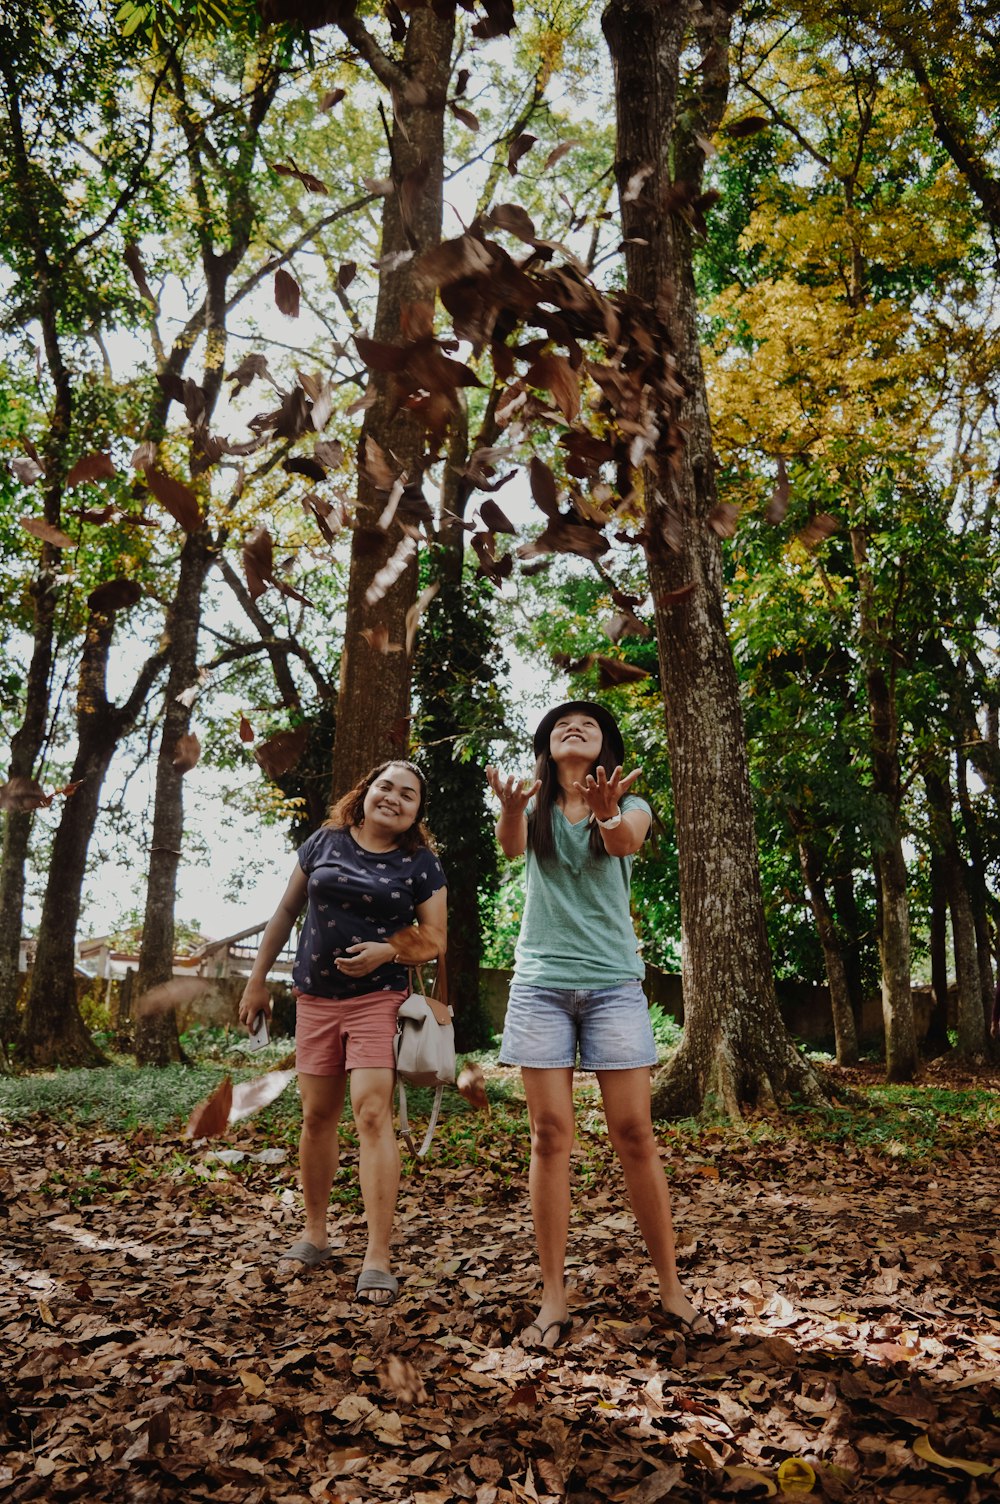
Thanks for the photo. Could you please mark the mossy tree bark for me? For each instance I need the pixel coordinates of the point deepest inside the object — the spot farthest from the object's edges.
(735, 1047)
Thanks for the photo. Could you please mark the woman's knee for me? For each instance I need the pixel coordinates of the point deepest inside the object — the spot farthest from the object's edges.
(551, 1136)
(633, 1139)
(372, 1115)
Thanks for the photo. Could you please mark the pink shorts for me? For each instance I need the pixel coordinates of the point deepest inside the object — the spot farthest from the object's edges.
(338, 1034)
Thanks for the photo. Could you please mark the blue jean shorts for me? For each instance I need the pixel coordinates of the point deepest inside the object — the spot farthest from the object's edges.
(545, 1025)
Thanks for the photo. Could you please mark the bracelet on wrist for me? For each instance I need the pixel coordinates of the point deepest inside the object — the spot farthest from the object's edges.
(612, 822)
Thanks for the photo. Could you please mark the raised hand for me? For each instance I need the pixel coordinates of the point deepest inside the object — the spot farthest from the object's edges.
(603, 793)
(513, 793)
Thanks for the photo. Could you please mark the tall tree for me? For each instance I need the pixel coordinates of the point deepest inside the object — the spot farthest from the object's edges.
(735, 1046)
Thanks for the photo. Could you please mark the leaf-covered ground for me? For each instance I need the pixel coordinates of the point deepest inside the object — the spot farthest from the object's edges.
(150, 1353)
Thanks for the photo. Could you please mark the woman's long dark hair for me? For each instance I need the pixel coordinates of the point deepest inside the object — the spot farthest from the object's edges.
(350, 808)
(540, 837)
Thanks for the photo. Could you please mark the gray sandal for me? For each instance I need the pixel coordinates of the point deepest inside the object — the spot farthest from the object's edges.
(377, 1279)
(305, 1253)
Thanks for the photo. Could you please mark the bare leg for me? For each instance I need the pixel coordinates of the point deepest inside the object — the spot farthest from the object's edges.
(627, 1108)
(549, 1095)
(319, 1149)
(371, 1103)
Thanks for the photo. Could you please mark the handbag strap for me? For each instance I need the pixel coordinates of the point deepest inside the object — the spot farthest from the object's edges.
(439, 989)
(404, 1122)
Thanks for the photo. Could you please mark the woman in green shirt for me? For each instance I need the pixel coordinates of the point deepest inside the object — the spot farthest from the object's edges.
(577, 987)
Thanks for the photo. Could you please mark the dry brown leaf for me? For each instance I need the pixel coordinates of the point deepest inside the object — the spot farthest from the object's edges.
(164, 998)
(286, 293)
(211, 1117)
(91, 467)
(471, 1084)
(39, 528)
(279, 754)
(249, 1097)
(187, 750)
(179, 500)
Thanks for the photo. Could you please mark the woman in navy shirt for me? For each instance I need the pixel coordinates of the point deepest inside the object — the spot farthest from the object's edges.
(376, 896)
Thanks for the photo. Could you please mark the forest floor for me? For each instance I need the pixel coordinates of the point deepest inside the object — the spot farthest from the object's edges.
(850, 1260)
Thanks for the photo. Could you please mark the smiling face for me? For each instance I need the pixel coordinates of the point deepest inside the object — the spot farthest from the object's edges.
(393, 799)
(576, 735)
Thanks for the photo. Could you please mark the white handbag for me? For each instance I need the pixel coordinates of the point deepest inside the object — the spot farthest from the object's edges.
(425, 1056)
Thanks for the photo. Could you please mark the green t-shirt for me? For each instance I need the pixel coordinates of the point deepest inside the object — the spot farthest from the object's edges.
(577, 930)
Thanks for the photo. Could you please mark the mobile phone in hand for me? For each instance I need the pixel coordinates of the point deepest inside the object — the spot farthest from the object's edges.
(259, 1034)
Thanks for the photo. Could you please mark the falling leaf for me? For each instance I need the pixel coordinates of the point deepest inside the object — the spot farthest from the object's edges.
(114, 595)
(471, 1084)
(26, 470)
(543, 486)
(518, 148)
(314, 184)
(91, 467)
(23, 794)
(465, 116)
(615, 671)
(634, 186)
(922, 1447)
(778, 505)
(279, 754)
(286, 293)
(164, 998)
(143, 455)
(558, 152)
(48, 534)
(391, 570)
(246, 730)
(555, 374)
(748, 126)
(515, 220)
(211, 1117)
(187, 751)
(723, 519)
(670, 598)
(249, 1097)
(178, 499)
(377, 639)
(376, 468)
(250, 367)
(258, 561)
(495, 519)
(416, 611)
(331, 98)
(817, 529)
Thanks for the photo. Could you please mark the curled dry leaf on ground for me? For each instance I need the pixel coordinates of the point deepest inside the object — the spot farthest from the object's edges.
(151, 1352)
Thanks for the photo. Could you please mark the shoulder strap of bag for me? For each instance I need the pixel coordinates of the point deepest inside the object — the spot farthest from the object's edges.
(404, 1122)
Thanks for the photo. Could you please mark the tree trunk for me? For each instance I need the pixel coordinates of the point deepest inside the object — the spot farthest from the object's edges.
(28, 740)
(455, 670)
(844, 1031)
(970, 1023)
(25, 747)
(845, 906)
(374, 700)
(735, 1045)
(890, 865)
(937, 1041)
(52, 1031)
(978, 887)
(156, 1041)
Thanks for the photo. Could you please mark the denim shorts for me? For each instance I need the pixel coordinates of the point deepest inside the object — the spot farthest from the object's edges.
(544, 1026)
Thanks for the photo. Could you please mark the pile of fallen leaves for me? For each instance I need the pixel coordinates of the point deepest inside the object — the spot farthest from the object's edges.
(152, 1354)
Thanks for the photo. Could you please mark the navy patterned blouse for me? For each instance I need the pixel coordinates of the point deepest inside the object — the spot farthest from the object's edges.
(357, 895)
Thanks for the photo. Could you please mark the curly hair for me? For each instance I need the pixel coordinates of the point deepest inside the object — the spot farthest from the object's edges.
(350, 808)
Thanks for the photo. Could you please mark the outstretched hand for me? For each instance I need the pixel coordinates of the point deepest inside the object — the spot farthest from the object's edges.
(512, 792)
(603, 793)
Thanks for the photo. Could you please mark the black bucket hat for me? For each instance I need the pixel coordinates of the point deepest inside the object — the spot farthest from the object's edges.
(604, 719)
